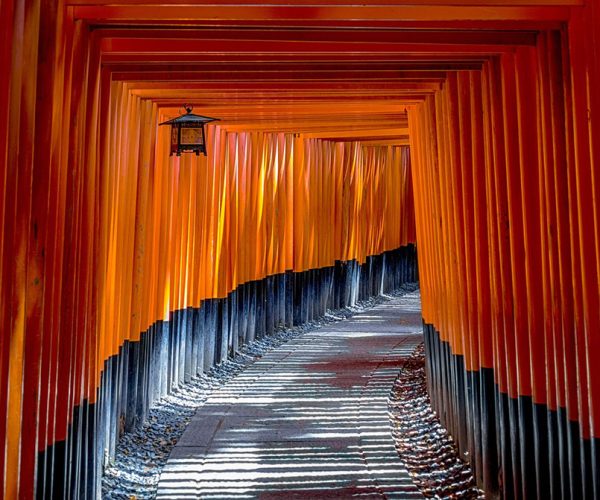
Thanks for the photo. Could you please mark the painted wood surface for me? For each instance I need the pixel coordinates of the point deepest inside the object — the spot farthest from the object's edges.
(102, 236)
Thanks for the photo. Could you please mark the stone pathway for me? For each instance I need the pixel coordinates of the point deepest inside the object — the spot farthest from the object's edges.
(308, 420)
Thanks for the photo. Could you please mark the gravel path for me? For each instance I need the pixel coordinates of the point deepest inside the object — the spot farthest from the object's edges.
(141, 455)
(309, 420)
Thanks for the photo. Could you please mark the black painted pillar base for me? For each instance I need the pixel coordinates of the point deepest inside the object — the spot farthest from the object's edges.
(518, 449)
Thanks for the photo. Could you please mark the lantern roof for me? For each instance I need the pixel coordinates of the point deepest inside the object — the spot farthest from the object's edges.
(190, 117)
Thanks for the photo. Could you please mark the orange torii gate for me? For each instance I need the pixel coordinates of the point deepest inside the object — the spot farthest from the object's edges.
(107, 243)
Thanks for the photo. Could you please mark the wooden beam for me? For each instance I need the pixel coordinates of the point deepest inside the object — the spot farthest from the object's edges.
(273, 13)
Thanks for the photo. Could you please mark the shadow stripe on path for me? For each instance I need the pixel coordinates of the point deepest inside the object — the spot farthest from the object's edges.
(309, 420)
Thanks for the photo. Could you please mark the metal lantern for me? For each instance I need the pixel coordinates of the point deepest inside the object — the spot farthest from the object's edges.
(187, 132)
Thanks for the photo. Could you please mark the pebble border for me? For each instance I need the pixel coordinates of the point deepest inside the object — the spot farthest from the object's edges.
(424, 445)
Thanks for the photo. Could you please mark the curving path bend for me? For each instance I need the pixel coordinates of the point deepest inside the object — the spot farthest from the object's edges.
(308, 420)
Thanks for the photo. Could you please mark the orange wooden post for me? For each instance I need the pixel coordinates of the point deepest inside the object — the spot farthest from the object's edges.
(111, 249)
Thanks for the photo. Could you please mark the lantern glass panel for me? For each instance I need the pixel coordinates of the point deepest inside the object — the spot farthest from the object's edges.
(192, 136)
(174, 136)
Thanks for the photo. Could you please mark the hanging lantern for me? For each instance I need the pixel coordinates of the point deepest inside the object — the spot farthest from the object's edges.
(187, 132)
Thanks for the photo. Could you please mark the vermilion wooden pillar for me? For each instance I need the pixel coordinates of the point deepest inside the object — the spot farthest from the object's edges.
(109, 251)
(504, 149)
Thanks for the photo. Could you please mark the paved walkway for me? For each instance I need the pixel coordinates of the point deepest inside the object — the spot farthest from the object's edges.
(308, 420)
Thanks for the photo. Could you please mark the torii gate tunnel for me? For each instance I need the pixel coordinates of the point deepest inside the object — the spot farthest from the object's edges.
(351, 134)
